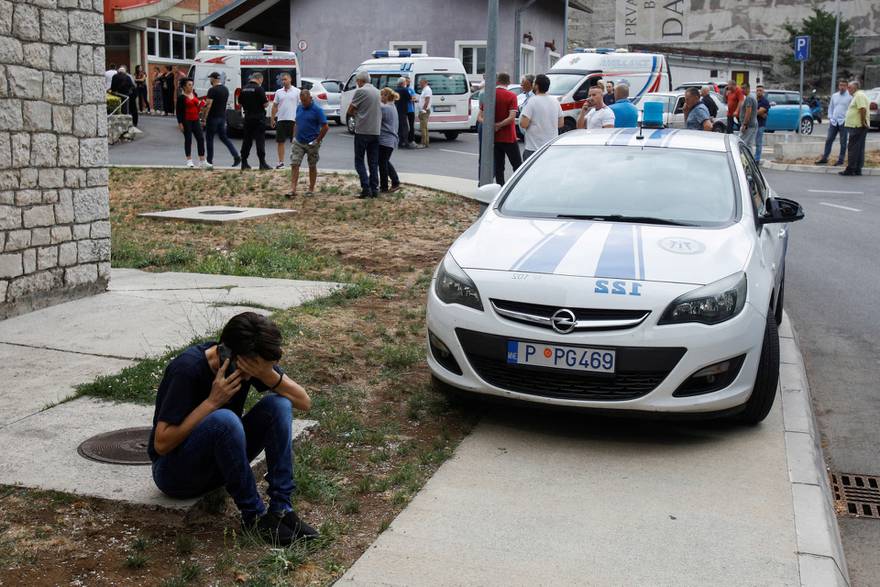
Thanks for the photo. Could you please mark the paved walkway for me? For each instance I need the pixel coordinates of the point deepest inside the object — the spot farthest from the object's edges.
(44, 355)
(537, 499)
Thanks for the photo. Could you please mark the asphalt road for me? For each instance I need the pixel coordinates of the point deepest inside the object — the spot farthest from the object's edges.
(162, 144)
(832, 280)
(832, 283)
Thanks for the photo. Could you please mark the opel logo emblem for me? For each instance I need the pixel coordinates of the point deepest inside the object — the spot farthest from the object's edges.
(563, 321)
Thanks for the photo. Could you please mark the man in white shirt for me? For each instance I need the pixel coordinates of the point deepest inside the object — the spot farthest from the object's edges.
(836, 115)
(425, 97)
(595, 114)
(541, 117)
(108, 76)
(527, 83)
(283, 117)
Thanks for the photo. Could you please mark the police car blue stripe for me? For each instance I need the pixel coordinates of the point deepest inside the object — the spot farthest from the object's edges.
(547, 257)
(618, 257)
(534, 247)
(659, 137)
(622, 137)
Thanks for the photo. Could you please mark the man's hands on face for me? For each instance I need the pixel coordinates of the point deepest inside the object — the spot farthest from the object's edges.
(259, 369)
(224, 387)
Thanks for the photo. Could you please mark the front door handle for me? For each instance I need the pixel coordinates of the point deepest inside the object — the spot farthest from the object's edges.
(782, 232)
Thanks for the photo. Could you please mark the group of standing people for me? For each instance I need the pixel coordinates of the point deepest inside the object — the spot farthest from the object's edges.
(168, 82)
(847, 121)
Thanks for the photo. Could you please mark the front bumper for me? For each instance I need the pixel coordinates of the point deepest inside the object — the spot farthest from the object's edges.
(652, 361)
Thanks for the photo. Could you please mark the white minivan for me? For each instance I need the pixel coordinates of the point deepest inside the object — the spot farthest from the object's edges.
(574, 74)
(450, 106)
(235, 64)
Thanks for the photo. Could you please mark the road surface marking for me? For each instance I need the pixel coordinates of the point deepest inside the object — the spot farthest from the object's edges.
(459, 152)
(833, 192)
(841, 207)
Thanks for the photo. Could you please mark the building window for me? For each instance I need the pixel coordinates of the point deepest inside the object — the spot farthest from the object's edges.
(553, 57)
(411, 46)
(526, 59)
(713, 73)
(168, 39)
(472, 55)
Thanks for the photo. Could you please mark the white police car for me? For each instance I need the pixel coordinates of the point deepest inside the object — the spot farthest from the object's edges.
(620, 270)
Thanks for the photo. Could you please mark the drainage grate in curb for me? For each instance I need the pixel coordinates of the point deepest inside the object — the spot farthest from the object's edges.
(127, 446)
(856, 495)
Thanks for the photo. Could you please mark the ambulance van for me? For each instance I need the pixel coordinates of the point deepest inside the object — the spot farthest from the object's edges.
(235, 64)
(574, 74)
(450, 104)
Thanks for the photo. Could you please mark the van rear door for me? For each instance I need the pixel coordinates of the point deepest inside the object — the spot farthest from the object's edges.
(451, 95)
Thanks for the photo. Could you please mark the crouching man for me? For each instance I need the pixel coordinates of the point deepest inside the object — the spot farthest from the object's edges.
(201, 440)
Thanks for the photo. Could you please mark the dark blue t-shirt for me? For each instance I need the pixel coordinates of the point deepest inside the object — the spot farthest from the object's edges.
(763, 103)
(187, 383)
(309, 122)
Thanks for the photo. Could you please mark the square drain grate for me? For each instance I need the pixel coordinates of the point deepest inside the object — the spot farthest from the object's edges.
(856, 495)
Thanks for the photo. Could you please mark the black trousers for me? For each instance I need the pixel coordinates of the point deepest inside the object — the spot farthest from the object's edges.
(729, 129)
(509, 150)
(193, 128)
(386, 169)
(856, 148)
(254, 132)
(411, 119)
(402, 128)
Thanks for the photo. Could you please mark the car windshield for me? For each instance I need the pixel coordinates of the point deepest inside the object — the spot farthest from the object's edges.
(650, 185)
(563, 83)
(663, 99)
(444, 84)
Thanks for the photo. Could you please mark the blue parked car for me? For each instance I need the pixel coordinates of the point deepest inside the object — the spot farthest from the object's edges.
(788, 112)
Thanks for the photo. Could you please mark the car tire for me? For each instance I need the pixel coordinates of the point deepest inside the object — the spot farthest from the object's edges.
(349, 124)
(767, 378)
(450, 135)
(806, 127)
(780, 299)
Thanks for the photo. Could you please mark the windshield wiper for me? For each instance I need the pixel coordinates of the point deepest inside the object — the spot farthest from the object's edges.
(622, 218)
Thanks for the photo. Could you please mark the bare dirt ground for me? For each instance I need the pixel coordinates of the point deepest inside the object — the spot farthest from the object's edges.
(383, 430)
(872, 159)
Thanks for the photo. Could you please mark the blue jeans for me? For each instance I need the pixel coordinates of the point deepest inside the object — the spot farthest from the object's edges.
(759, 144)
(217, 126)
(833, 132)
(369, 145)
(219, 450)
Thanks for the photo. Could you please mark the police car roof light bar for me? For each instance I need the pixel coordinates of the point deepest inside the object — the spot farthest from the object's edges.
(652, 115)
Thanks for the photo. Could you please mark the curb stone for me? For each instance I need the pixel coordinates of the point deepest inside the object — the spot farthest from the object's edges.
(822, 169)
(821, 560)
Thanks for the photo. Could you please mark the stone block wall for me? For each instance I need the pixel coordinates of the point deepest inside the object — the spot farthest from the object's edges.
(54, 200)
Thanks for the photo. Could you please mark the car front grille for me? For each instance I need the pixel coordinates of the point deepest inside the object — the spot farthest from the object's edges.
(587, 318)
(639, 371)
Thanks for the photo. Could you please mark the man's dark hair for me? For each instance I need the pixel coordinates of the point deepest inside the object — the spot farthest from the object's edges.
(250, 334)
(842, 81)
(112, 65)
(503, 78)
(759, 86)
(694, 92)
(542, 82)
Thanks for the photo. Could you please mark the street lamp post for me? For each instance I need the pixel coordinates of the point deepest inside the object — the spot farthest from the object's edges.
(834, 58)
(487, 147)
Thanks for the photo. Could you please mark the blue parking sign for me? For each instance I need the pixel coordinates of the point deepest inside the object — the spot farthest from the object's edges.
(802, 48)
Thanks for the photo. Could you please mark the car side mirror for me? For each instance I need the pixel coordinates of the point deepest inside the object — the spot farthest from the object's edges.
(779, 210)
(486, 193)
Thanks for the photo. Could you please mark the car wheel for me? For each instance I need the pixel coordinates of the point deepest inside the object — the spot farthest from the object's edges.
(349, 124)
(450, 135)
(568, 125)
(780, 299)
(767, 378)
(807, 126)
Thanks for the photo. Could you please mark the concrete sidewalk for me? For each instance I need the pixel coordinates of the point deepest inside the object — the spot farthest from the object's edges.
(46, 354)
(549, 499)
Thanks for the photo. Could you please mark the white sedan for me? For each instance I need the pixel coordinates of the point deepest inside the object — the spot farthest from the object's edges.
(620, 271)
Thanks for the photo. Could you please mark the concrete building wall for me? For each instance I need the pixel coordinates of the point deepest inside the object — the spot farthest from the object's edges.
(339, 40)
(54, 201)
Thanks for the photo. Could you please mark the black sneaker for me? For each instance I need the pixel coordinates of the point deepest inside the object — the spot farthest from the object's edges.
(299, 529)
(364, 194)
(271, 528)
(236, 161)
(244, 165)
(264, 166)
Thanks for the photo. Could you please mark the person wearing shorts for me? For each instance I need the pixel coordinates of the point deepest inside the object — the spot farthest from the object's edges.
(283, 118)
(311, 128)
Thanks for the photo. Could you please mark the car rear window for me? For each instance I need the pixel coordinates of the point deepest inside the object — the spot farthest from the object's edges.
(271, 76)
(684, 186)
(331, 86)
(443, 84)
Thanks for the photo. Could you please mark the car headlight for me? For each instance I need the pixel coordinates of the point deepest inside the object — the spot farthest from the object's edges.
(710, 304)
(453, 286)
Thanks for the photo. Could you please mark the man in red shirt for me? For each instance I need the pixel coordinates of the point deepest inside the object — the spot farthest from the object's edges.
(735, 99)
(505, 127)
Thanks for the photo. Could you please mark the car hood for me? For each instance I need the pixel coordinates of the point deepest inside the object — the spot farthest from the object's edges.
(611, 250)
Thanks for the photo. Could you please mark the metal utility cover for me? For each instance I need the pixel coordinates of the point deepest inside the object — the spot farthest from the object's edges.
(856, 495)
(127, 446)
(217, 214)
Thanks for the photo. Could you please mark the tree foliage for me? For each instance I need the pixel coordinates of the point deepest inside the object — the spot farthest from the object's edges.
(820, 27)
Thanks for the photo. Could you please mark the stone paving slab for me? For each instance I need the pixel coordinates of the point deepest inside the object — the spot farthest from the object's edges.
(45, 453)
(217, 214)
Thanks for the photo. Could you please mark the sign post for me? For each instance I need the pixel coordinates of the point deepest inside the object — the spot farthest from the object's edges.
(801, 53)
(487, 145)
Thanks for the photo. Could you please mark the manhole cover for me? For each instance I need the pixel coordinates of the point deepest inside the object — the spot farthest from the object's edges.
(220, 212)
(120, 447)
(856, 495)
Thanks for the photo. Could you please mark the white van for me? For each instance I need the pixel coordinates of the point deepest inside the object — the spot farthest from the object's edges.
(235, 64)
(573, 75)
(450, 106)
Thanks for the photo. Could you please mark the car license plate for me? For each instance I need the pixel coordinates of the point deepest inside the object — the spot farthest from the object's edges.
(560, 357)
(442, 108)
